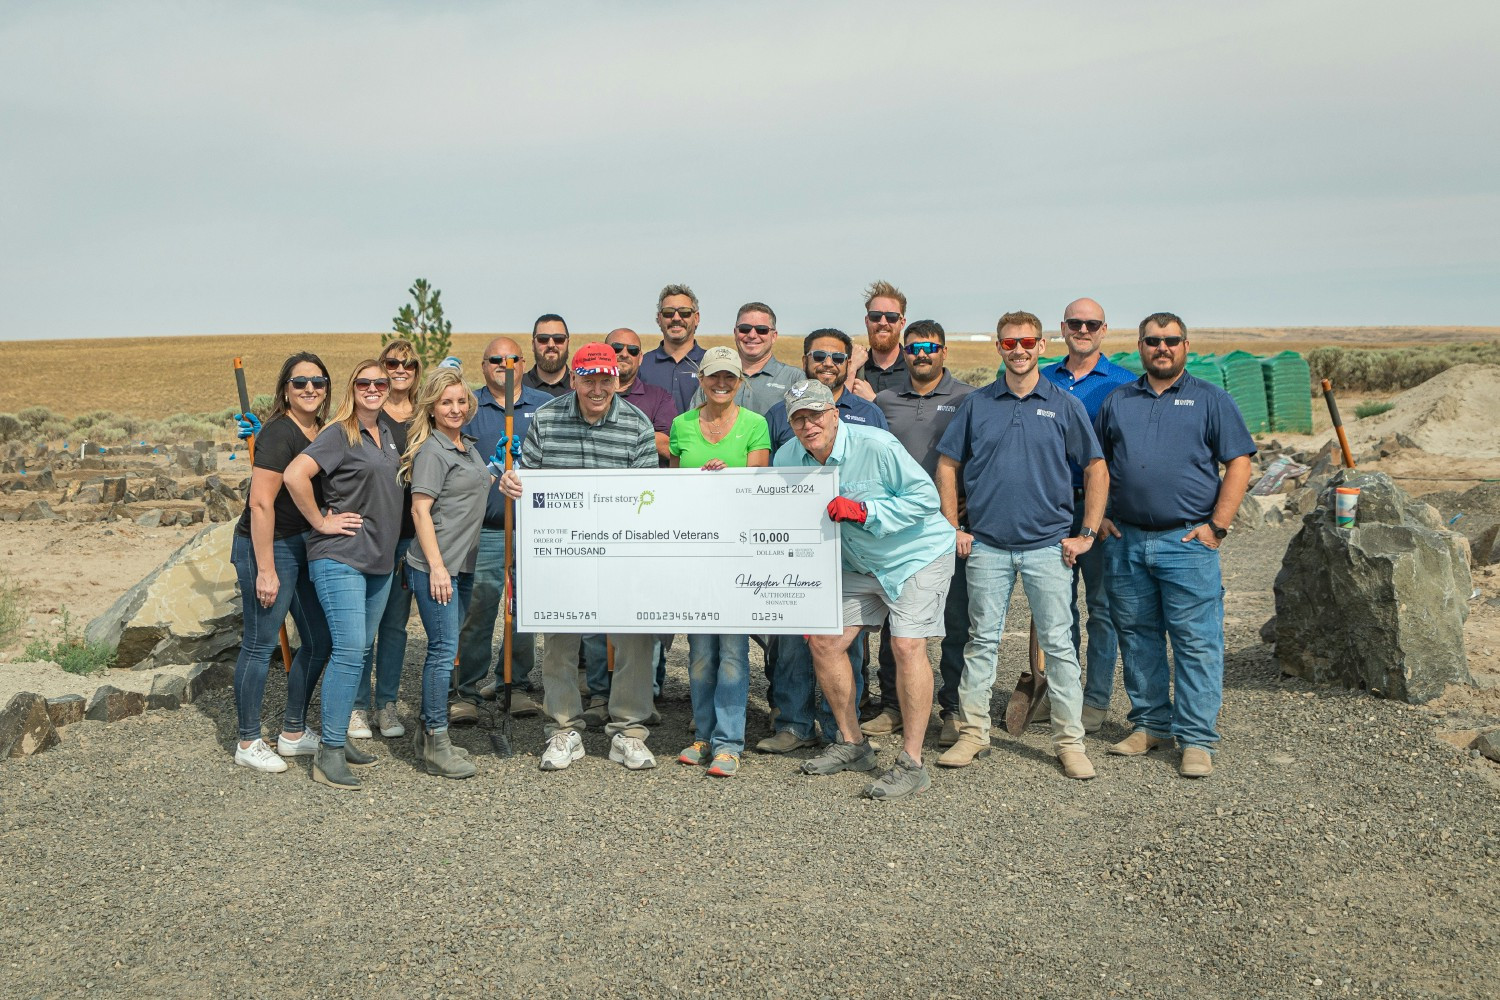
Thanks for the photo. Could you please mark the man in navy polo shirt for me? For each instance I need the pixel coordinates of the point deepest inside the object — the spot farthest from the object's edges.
(1090, 376)
(1165, 436)
(825, 356)
(1012, 441)
(673, 366)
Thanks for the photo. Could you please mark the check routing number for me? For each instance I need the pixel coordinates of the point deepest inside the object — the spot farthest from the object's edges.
(678, 550)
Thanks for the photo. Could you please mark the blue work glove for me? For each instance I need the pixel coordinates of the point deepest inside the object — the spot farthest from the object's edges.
(497, 460)
(249, 425)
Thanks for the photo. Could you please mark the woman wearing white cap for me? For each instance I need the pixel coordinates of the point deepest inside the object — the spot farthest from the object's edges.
(718, 435)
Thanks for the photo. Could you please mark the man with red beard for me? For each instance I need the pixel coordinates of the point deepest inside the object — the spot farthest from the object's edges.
(881, 366)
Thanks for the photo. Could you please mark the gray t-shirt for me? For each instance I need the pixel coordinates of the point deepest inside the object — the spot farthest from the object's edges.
(459, 483)
(359, 478)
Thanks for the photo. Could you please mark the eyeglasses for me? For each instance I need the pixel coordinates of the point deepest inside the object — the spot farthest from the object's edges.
(499, 360)
(1080, 325)
(366, 384)
(683, 312)
(303, 381)
(875, 316)
(839, 357)
(922, 347)
(396, 364)
(630, 349)
(1158, 341)
(1026, 343)
(550, 338)
(747, 328)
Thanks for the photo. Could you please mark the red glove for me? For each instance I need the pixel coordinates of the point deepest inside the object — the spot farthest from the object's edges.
(844, 509)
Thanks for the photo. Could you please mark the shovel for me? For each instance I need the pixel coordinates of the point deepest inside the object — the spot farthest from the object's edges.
(239, 379)
(501, 735)
(1030, 687)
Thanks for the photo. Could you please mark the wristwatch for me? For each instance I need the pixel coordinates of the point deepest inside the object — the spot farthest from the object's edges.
(1087, 533)
(1219, 532)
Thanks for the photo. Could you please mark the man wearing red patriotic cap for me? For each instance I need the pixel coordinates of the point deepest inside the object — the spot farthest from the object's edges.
(590, 428)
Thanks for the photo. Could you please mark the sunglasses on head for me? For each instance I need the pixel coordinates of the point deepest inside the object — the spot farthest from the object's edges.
(922, 347)
(875, 316)
(303, 381)
(684, 312)
(1025, 343)
(378, 384)
(410, 364)
(747, 328)
(1173, 341)
(631, 349)
(1080, 325)
(838, 357)
(550, 338)
(499, 360)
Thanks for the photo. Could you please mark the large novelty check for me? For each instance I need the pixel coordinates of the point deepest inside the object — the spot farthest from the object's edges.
(678, 550)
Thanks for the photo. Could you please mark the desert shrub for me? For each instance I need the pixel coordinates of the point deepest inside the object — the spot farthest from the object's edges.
(1396, 368)
(12, 610)
(105, 432)
(1372, 409)
(35, 416)
(53, 428)
(261, 405)
(72, 650)
(11, 427)
(92, 417)
(980, 376)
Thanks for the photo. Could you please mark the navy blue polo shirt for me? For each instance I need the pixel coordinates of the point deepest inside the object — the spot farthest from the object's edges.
(1164, 451)
(1103, 379)
(1015, 452)
(680, 378)
(487, 426)
(852, 410)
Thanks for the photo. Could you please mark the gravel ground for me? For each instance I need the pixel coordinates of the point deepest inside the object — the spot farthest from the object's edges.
(1338, 851)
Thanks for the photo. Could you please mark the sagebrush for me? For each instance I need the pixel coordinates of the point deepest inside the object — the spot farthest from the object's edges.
(1396, 368)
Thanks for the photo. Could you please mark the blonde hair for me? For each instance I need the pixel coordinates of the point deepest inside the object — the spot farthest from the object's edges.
(423, 407)
(345, 416)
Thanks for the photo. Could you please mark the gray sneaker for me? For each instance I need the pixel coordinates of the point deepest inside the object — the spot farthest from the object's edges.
(842, 756)
(906, 778)
(597, 714)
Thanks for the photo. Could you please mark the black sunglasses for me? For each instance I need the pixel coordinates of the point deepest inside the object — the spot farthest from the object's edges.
(630, 349)
(1158, 341)
(499, 360)
(681, 313)
(760, 328)
(381, 384)
(875, 316)
(1079, 325)
(839, 357)
(303, 381)
(550, 338)
(410, 364)
(923, 347)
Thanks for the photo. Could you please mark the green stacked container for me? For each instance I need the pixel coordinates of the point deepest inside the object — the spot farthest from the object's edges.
(1288, 388)
(1204, 366)
(1129, 360)
(1245, 381)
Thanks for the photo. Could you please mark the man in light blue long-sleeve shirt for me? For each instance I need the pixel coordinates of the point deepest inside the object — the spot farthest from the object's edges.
(898, 562)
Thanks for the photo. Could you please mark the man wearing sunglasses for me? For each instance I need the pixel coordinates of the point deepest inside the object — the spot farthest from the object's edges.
(655, 402)
(475, 638)
(1164, 436)
(1090, 376)
(766, 379)
(1010, 444)
(883, 365)
(825, 356)
(918, 414)
(673, 366)
(549, 346)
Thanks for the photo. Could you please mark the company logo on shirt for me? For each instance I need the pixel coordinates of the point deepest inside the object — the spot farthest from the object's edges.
(1050, 414)
(1183, 402)
(945, 408)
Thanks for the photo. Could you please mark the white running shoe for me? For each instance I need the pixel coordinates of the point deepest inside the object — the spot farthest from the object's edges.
(259, 757)
(631, 752)
(563, 748)
(302, 746)
(359, 725)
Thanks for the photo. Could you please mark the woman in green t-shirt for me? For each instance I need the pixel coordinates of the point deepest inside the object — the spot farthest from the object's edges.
(720, 434)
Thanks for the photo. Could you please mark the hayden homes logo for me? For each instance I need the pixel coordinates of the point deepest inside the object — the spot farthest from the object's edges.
(557, 500)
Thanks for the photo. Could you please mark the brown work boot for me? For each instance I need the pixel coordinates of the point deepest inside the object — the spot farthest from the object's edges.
(1093, 718)
(1076, 764)
(949, 734)
(522, 704)
(462, 713)
(964, 752)
(884, 724)
(1137, 743)
(1196, 763)
(783, 741)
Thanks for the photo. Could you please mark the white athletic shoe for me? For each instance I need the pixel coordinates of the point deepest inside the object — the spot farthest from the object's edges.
(302, 746)
(563, 748)
(259, 757)
(359, 725)
(631, 752)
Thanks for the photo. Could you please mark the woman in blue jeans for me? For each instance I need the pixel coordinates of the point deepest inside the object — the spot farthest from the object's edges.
(270, 557)
(351, 549)
(450, 483)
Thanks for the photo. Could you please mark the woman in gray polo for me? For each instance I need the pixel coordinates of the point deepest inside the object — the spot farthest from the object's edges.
(450, 482)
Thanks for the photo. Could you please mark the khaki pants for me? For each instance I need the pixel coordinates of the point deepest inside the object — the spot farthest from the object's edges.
(630, 700)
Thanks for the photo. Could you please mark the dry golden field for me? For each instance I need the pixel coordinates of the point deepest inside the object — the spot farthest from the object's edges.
(156, 377)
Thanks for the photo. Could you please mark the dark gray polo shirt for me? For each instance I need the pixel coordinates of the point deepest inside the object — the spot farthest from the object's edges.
(359, 478)
(919, 421)
(459, 483)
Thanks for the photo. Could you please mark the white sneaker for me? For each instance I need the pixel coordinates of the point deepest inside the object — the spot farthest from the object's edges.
(390, 725)
(563, 748)
(631, 752)
(359, 725)
(259, 757)
(303, 745)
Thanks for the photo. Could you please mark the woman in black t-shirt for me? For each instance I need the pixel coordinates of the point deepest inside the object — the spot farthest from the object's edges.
(270, 558)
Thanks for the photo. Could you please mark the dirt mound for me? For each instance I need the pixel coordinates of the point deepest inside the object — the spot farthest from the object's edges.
(1454, 413)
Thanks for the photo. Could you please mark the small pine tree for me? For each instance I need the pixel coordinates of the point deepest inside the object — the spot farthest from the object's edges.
(423, 325)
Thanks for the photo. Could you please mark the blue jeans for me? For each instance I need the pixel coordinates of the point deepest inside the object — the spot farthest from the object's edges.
(476, 640)
(951, 658)
(442, 623)
(719, 681)
(1161, 586)
(596, 665)
(294, 594)
(792, 687)
(1047, 581)
(1104, 645)
(389, 652)
(353, 602)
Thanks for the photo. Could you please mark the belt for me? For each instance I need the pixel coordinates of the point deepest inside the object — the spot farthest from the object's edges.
(1169, 526)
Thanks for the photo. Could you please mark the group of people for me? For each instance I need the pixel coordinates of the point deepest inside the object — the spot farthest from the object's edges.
(1079, 471)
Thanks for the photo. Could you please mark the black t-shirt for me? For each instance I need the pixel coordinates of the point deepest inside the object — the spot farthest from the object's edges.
(276, 445)
(398, 434)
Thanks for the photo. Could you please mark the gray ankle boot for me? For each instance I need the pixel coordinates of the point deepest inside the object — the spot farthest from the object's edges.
(442, 758)
(331, 769)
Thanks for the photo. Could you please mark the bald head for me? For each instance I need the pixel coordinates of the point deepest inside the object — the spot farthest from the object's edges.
(1083, 328)
(630, 364)
(494, 374)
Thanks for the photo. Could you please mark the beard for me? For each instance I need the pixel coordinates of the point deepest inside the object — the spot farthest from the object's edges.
(551, 365)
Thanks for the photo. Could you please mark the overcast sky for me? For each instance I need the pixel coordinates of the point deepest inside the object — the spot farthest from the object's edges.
(200, 167)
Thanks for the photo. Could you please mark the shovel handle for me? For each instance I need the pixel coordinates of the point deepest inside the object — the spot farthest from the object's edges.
(1338, 423)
